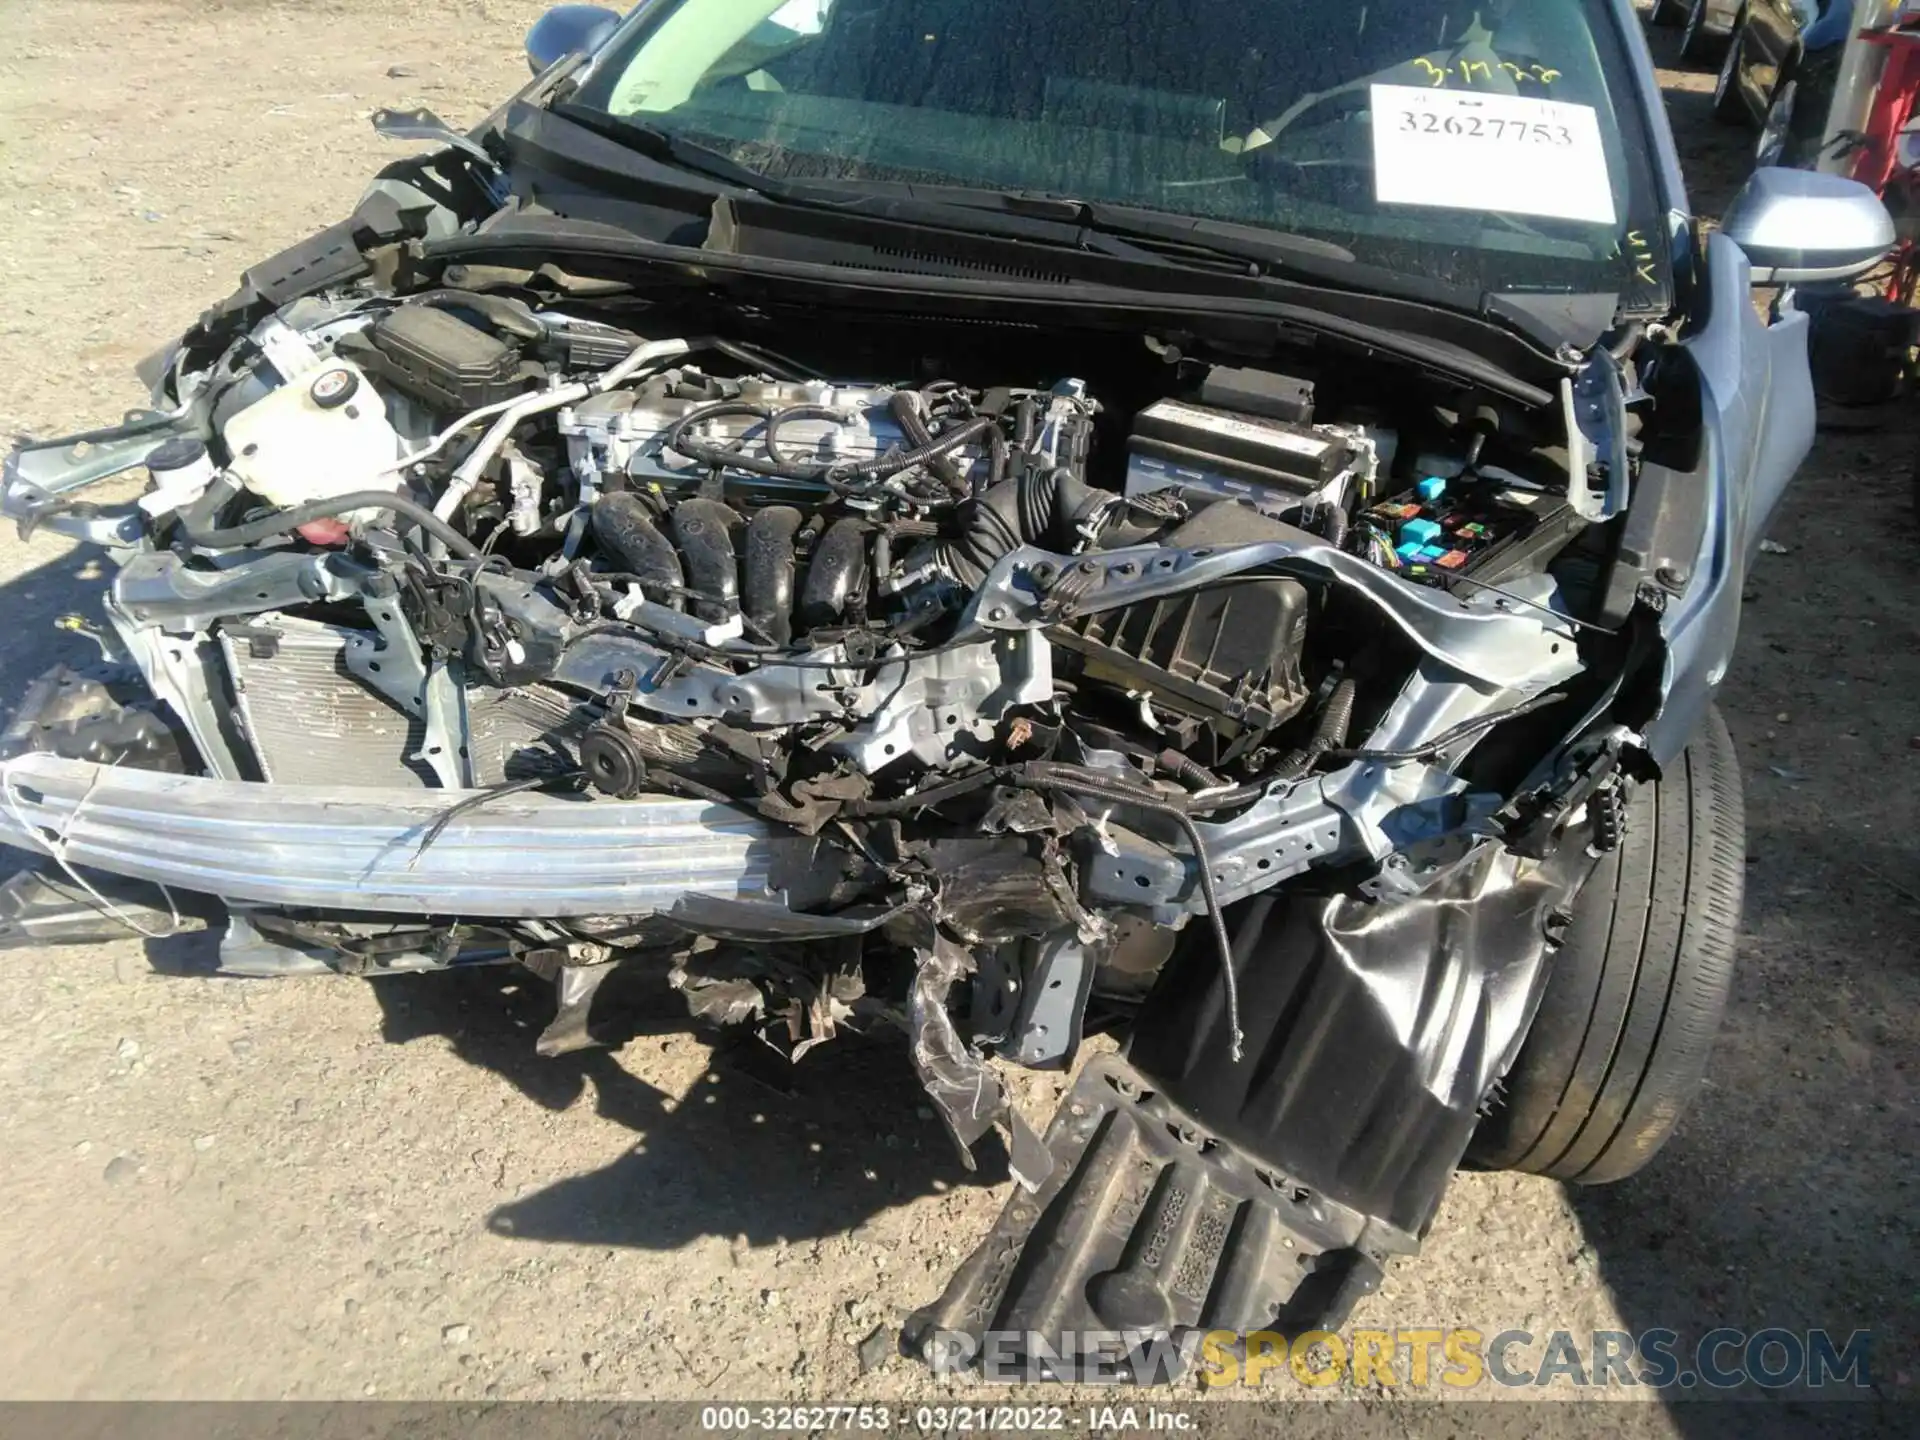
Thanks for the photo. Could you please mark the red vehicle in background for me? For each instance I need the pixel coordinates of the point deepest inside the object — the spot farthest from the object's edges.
(1878, 142)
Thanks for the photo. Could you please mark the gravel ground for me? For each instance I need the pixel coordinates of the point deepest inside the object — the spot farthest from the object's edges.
(218, 1188)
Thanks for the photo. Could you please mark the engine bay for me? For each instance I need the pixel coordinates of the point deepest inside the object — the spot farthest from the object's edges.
(1039, 653)
(551, 503)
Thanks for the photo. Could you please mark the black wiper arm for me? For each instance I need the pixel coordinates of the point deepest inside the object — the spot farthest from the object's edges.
(1255, 243)
(665, 146)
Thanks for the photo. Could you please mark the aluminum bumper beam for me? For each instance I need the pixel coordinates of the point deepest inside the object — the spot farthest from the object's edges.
(335, 848)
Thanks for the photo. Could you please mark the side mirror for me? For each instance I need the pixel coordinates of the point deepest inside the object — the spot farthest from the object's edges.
(568, 30)
(1799, 226)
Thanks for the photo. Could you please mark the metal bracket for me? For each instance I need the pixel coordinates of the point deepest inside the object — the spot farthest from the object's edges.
(431, 693)
(1047, 1033)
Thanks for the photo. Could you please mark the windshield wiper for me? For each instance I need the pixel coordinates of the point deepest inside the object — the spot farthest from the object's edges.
(1065, 222)
(665, 146)
(1166, 236)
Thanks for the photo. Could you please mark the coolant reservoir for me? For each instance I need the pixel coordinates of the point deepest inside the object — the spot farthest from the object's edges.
(323, 434)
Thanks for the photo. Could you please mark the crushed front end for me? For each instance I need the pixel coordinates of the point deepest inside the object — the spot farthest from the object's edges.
(1259, 715)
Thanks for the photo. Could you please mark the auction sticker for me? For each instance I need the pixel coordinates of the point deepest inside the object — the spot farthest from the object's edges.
(1468, 150)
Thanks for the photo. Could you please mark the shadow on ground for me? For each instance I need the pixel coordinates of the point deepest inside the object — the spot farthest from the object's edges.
(32, 603)
(758, 1147)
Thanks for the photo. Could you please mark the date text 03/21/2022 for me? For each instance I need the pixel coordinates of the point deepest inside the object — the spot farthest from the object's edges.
(944, 1419)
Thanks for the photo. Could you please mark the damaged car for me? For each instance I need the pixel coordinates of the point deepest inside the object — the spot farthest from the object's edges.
(988, 524)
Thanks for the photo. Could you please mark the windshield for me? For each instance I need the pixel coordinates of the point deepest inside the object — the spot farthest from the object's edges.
(1486, 144)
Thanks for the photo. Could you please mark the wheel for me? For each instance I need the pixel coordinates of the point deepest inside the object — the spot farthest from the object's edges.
(1637, 990)
(1729, 105)
(1775, 145)
(1668, 12)
(1699, 46)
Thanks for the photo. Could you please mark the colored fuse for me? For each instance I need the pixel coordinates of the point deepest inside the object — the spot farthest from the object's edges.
(1452, 560)
(1410, 551)
(1419, 532)
(1473, 530)
(1431, 552)
(1396, 512)
(1431, 488)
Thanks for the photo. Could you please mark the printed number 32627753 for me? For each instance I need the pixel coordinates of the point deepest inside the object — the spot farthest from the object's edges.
(1493, 128)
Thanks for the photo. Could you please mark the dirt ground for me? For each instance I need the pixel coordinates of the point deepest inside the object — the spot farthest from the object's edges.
(325, 1188)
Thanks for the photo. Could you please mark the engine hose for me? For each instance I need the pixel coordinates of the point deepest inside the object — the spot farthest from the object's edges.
(1044, 775)
(502, 312)
(947, 442)
(1037, 509)
(905, 409)
(770, 361)
(285, 522)
(997, 452)
(1335, 721)
(1334, 526)
(733, 457)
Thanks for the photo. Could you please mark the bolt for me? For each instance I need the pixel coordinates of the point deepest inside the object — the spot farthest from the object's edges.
(1674, 577)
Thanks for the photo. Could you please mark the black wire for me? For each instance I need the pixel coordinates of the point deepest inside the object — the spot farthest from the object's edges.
(1428, 749)
(485, 797)
(770, 437)
(771, 361)
(1042, 775)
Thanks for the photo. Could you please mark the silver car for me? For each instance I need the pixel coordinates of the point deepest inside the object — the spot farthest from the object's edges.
(986, 521)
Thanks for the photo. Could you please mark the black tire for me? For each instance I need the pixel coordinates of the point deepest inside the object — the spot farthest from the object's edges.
(1668, 12)
(1729, 105)
(1699, 46)
(1636, 994)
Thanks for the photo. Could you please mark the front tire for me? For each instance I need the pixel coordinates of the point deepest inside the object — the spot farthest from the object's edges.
(1637, 991)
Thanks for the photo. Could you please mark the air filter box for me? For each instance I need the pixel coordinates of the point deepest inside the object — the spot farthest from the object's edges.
(1229, 653)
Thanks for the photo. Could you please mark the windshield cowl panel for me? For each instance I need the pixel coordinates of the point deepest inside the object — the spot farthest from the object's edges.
(1482, 148)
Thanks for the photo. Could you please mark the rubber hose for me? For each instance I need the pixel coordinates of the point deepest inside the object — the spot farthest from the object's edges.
(906, 414)
(502, 312)
(1033, 510)
(1334, 526)
(285, 522)
(1335, 720)
(949, 441)
(771, 436)
(1329, 733)
(770, 361)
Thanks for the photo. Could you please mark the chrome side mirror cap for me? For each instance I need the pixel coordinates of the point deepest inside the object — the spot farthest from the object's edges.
(568, 30)
(1799, 226)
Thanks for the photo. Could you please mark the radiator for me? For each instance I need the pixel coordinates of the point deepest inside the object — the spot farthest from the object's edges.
(311, 722)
